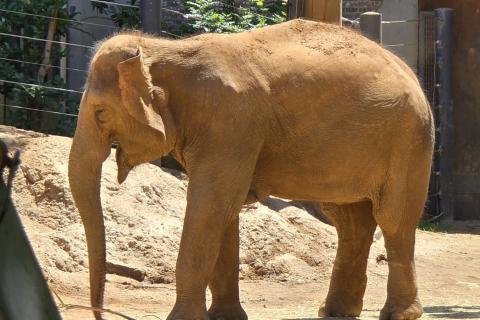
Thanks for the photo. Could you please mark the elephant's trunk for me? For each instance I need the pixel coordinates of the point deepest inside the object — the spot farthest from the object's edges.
(89, 149)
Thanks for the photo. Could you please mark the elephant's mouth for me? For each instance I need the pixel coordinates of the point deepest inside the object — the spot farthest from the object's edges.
(123, 165)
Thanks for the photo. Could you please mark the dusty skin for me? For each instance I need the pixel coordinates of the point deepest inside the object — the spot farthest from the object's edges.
(281, 279)
(300, 110)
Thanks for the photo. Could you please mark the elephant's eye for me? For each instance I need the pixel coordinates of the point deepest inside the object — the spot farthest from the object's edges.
(100, 116)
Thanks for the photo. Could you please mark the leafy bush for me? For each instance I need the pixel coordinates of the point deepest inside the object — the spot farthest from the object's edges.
(205, 15)
(431, 226)
(227, 17)
(36, 52)
(122, 17)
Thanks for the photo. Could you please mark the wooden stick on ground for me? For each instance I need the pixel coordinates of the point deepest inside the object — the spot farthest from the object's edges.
(125, 271)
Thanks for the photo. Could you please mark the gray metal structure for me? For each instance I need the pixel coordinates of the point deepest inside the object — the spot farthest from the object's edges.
(435, 70)
(151, 16)
(371, 26)
(426, 74)
(400, 29)
(443, 108)
(24, 293)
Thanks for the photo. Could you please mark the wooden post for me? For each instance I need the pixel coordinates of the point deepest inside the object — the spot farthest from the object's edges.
(295, 9)
(329, 11)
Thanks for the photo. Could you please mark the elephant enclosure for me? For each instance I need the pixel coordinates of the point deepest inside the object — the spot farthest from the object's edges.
(286, 254)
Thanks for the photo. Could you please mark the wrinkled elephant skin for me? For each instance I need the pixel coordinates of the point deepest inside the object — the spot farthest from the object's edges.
(300, 110)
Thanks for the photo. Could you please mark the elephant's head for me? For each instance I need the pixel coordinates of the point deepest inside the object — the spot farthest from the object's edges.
(120, 105)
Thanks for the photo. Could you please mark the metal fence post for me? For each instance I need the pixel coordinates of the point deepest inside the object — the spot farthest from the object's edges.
(151, 16)
(371, 25)
(3, 108)
(443, 106)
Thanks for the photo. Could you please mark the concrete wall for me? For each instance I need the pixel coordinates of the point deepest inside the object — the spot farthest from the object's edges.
(400, 37)
(466, 103)
(352, 9)
(400, 30)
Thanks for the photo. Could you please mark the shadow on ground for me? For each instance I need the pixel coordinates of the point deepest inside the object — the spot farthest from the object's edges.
(431, 312)
(324, 318)
(453, 312)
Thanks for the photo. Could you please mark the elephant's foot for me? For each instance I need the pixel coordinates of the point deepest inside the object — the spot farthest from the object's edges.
(397, 311)
(340, 308)
(227, 312)
(186, 311)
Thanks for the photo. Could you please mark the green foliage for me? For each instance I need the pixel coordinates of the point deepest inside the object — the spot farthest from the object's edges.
(123, 17)
(33, 51)
(227, 17)
(431, 226)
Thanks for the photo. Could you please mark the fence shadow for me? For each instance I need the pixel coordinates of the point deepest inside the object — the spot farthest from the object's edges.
(453, 312)
(323, 318)
(432, 312)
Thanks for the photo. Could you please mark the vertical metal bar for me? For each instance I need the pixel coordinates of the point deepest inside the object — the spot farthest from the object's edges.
(4, 110)
(5, 120)
(371, 25)
(160, 16)
(151, 16)
(443, 102)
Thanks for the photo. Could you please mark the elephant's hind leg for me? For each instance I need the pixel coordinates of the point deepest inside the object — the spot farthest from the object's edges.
(398, 214)
(355, 227)
(224, 282)
(402, 292)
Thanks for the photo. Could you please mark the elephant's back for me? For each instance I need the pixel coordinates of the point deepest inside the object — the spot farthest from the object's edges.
(298, 48)
(303, 67)
(296, 38)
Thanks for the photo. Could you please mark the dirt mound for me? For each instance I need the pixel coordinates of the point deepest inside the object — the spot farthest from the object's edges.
(144, 218)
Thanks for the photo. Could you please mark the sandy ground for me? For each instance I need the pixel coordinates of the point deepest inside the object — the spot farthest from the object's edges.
(448, 276)
(286, 254)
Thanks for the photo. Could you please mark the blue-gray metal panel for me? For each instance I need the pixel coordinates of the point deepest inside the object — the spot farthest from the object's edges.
(24, 293)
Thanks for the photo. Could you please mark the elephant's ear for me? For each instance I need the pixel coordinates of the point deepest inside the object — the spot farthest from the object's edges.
(138, 93)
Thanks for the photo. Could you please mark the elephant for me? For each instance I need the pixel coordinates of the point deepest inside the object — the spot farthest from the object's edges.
(300, 110)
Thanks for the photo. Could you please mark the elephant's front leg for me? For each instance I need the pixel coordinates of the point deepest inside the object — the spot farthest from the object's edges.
(214, 199)
(224, 282)
(355, 227)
